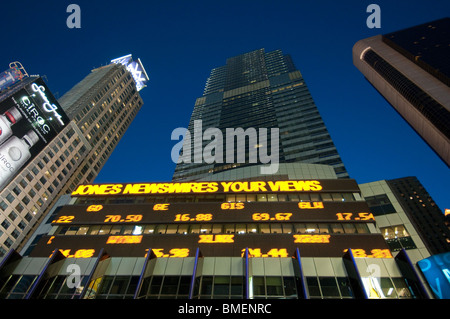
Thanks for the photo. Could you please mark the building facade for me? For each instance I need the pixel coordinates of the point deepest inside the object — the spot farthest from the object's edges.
(236, 239)
(410, 69)
(428, 218)
(99, 109)
(254, 92)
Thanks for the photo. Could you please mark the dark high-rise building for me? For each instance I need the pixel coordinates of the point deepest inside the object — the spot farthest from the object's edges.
(407, 216)
(427, 217)
(411, 69)
(254, 91)
(95, 114)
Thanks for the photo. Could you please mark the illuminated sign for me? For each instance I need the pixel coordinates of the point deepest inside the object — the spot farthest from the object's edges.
(124, 240)
(29, 119)
(214, 239)
(198, 187)
(94, 208)
(374, 253)
(274, 252)
(80, 253)
(47, 106)
(436, 270)
(189, 218)
(179, 212)
(9, 77)
(312, 239)
(135, 68)
(173, 253)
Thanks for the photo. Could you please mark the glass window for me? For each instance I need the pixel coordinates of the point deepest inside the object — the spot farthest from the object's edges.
(221, 286)
(120, 285)
(160, 229)
(194, 229)
(276, 229)
(312, 229)
(241, 228)
(170, 285)
(183, 229)
(82, 230)
(361, 228)
(287, 228)
(93, 230)
(344, 287)
(231, 198)
(313, 287)
(300, 228)
(229, 229)
(105, 284)
(104, 230)
(401, 288)
(337, 228)
(349, 228)
(261, 198)
(329, 287)
(206, 287)
(172, 229)
(115, 230)
(324, 229)
(252, 228)
(337, 197)
(259, 286)
(264, 229)
(205, 229)
(348, 197)
(274, 286)
(216, 228)
(72, 230)
(149, 229)
(304, 197)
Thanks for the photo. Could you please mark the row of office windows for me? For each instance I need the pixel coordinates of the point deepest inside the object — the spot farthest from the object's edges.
(304, 197)
(205, 287)
(269, 228)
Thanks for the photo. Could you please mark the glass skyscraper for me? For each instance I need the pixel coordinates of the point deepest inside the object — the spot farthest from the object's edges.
(258, 90)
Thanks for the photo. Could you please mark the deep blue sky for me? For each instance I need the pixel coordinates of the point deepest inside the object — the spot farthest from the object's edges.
(179, 42)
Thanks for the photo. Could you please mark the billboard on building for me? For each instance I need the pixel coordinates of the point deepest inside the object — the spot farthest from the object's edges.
(9, 77)
(436, 270)
(29, 119)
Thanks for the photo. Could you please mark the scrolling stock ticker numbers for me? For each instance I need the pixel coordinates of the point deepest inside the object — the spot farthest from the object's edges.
(221, 208)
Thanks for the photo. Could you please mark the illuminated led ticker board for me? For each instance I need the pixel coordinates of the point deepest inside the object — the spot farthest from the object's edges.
(213, 245)
(214, 212)
(230, 187)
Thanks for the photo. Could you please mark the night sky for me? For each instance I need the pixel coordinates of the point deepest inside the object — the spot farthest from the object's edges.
(179, 42)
